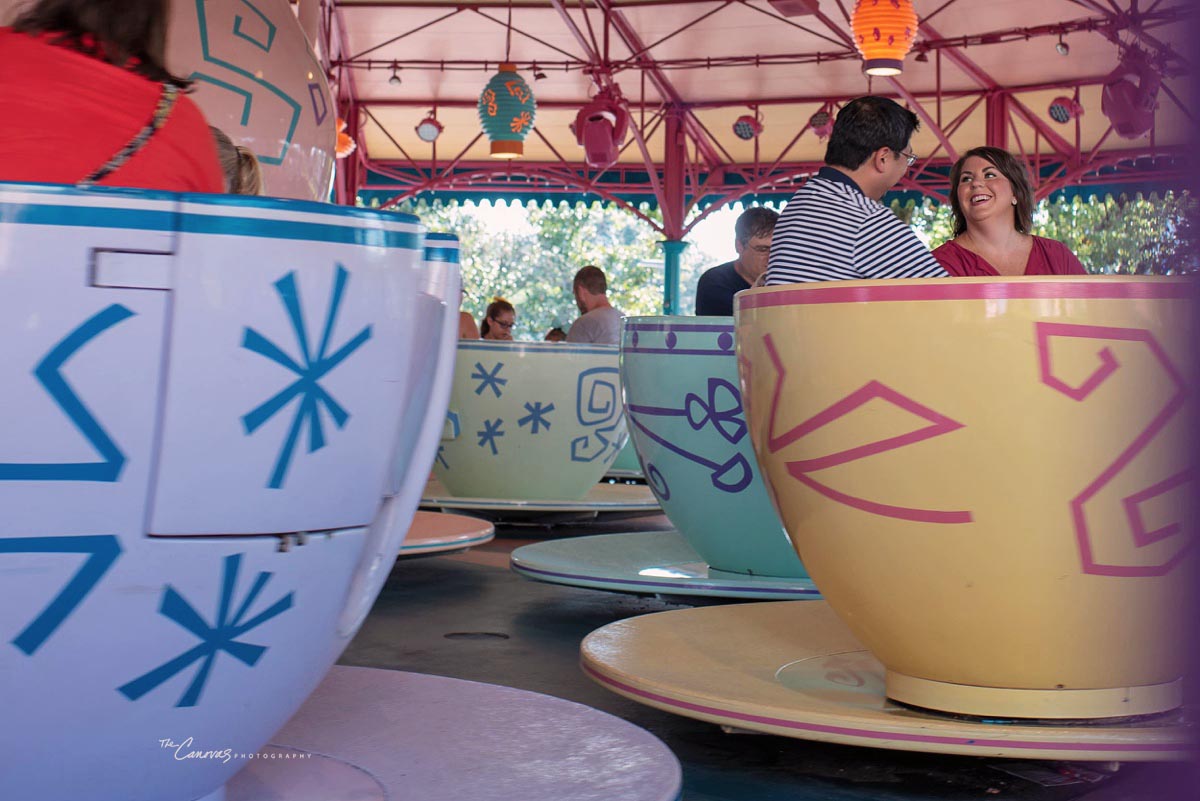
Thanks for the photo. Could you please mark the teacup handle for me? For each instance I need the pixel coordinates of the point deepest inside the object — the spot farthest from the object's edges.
(452, 427)
(387, 532)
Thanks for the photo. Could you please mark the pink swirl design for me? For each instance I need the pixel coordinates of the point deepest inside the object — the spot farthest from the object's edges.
(1108, 366)
(939, 424)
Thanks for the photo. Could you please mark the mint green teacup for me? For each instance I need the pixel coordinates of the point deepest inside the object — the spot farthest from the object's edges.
(626, 464)
(685, 417)
(531, 420)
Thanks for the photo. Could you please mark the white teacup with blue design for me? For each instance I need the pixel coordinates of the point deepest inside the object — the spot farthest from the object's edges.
(429, 374)
(185, 378)
(685, 416)
(531, 420)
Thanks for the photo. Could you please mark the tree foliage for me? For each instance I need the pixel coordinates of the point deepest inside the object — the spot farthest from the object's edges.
(1111, 236)
(532, 267)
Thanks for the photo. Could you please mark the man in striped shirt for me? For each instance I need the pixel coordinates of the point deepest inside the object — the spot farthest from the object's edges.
(834, 228)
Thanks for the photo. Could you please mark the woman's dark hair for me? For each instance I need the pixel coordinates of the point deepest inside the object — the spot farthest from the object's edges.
(866, 124)
(495, 307)
(131, 34)
(1011, 168)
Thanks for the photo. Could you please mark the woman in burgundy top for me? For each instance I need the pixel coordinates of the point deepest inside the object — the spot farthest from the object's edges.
(79, 79)
(992, 201)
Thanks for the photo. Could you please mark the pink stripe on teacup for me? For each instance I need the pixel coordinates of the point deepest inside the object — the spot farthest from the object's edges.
(838, 292)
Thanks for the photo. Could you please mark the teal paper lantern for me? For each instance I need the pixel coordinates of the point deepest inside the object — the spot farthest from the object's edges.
(507, 110)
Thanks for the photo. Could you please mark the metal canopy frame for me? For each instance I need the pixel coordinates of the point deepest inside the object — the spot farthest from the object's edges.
(696, 174)
(695, 170)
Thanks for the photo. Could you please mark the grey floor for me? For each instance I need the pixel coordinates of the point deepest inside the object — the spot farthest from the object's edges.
(468, 616)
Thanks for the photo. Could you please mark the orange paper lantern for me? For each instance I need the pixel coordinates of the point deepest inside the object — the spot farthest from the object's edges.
(884, 31)
(345, 143)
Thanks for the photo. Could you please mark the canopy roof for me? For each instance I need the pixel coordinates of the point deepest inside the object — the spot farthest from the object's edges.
(982, 72)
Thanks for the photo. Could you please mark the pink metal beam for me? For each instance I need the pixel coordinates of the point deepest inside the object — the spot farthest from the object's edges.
(665, 89)
(435, 180)
(426, 102)
(647, 48)
(395, 39)
(545, 176)
(674, 156)
(527, 35)
(896, 85)
(347, 177)
(570, 184)
(391, 139)
(1073, 174)
(648, 160)
(987, 82)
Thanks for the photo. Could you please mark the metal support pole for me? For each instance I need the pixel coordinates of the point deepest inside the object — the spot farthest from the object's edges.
(674, 206)
(672, 250)
(348, 177)
(997, 114)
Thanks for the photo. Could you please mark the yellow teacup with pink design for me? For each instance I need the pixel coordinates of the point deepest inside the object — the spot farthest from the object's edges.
(988, 479)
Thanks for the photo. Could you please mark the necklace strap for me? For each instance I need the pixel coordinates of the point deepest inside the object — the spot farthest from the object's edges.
(162, 110)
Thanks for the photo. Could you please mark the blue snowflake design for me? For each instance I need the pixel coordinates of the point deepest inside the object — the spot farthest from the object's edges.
(315, 367)
(487, 380)
(491, 430)
(537, 416)
(213, 639)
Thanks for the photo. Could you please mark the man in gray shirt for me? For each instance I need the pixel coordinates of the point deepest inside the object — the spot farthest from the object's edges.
(600, 323)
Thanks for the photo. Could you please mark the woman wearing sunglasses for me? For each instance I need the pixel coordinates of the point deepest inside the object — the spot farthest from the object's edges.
(498, 321)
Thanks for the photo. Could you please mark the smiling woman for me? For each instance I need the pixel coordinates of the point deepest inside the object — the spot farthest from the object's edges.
(992, 201)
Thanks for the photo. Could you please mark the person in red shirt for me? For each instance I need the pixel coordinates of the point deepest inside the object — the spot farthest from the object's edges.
(992, 201)
(79, 81)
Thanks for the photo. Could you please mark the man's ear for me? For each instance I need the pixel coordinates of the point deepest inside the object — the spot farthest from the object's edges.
(738, 246)
(880, 158)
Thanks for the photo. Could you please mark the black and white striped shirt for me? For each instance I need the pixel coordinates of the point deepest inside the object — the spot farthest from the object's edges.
(831, 231)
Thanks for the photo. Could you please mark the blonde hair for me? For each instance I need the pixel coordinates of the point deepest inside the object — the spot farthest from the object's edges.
(243, 175)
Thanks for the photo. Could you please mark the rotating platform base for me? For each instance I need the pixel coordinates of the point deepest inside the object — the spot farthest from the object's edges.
(623, 474)
(646, 563)
(795, 670)
(601, 498)
(373, 735)
(433, 533)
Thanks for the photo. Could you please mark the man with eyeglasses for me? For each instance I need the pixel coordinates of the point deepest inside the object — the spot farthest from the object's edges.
(752, 242)
(835, 227)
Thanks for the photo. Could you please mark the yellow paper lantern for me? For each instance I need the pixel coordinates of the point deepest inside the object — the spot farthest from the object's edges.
(884, 31)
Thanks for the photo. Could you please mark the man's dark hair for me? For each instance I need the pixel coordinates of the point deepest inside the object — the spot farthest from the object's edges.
(866, 124)
(592, 279)
(754, 221)
(131, 34)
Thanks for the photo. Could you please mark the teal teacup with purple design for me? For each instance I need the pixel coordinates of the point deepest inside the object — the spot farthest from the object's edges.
(626, 465)
(685, 417)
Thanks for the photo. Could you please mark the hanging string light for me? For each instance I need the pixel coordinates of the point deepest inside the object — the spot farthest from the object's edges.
(821, 124)
(507, 107)
(884, 31)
